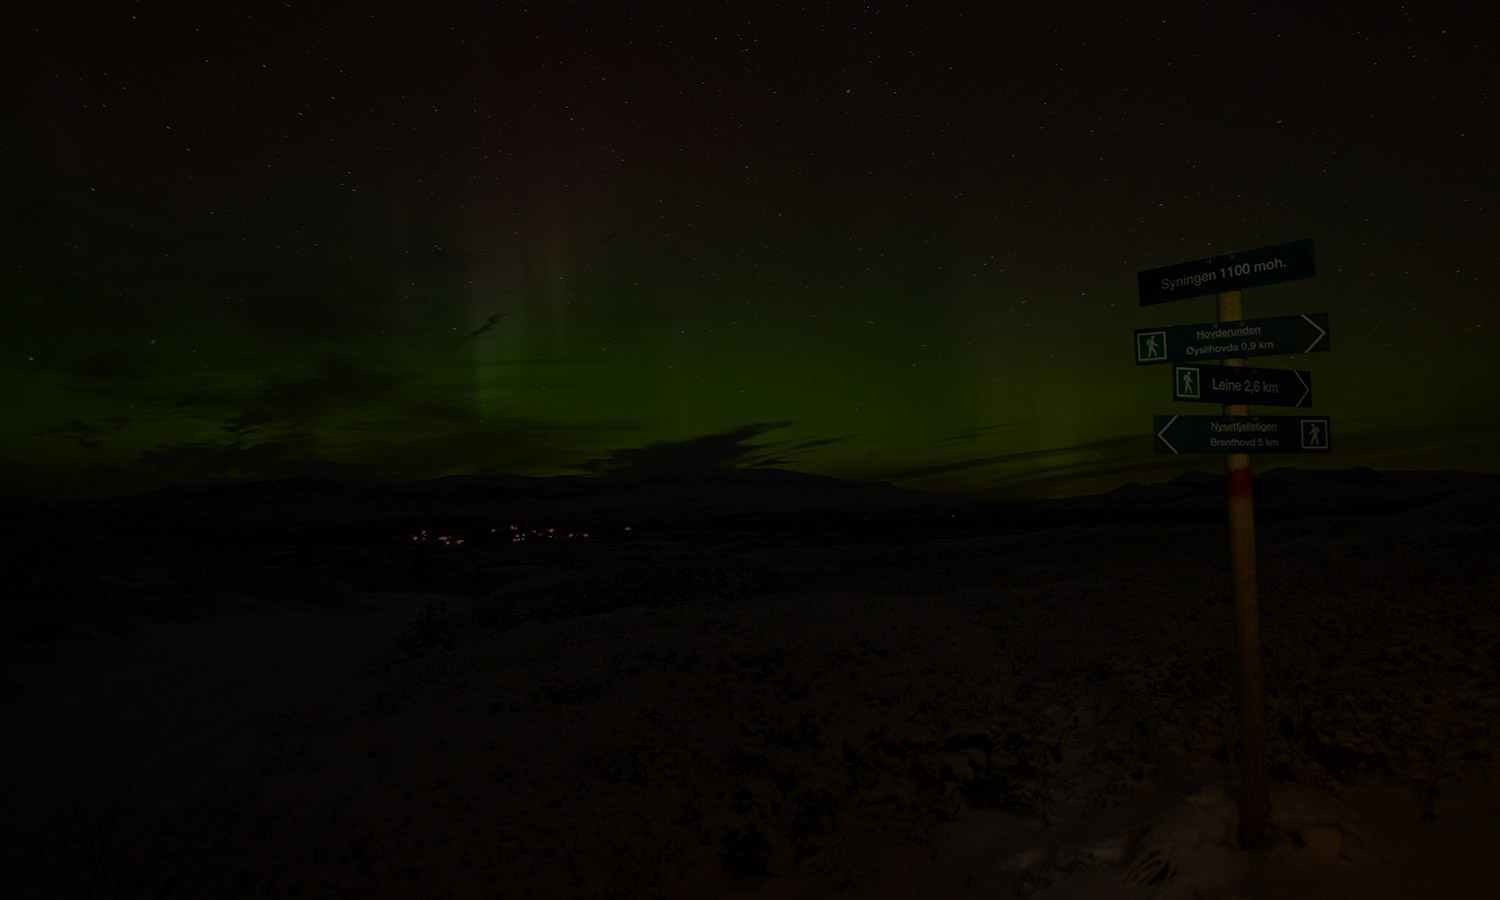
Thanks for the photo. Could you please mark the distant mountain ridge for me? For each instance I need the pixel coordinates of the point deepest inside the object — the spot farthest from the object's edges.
(746, 498)
(755, 499)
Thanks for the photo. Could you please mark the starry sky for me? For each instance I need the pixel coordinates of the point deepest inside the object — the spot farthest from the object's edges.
(874, 241)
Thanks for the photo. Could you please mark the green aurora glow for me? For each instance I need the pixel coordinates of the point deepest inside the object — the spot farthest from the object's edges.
(934, 285)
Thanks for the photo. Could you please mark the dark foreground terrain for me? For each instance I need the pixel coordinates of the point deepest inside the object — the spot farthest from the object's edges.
(759, 684)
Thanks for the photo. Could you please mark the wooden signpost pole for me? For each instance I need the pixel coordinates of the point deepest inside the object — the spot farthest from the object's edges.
(1255, 801)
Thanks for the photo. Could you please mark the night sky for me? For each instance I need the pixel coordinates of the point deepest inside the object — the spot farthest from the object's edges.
(872, 241)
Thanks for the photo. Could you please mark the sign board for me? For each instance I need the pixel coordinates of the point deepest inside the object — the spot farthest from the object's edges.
(1241, 384)
(1224, 340)
(1241, 434)
(1229, 272)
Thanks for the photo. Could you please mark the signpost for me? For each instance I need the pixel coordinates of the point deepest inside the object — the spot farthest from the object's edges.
(1231, 339)
(1241, 384)
(1279, 336)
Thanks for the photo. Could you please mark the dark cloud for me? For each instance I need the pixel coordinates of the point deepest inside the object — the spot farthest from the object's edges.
(1052, 458)
(810, 445)
(87, 436)
(1089, 467)
(410, 452)
(962, 437)
(292, 455)
(983, 431)
(504, 446)
(340, 382)
(725, 450)
(249, 420)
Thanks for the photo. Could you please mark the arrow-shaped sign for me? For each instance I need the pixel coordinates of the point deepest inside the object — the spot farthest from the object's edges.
(1241, 434)
(1225, 340)
(1241, 384)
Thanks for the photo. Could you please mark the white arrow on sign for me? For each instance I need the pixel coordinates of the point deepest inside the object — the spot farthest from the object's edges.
(1306, 388)
(1162, 435)
(1321, 334)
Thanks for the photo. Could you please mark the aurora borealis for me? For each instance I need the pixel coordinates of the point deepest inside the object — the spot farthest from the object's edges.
(868, 241)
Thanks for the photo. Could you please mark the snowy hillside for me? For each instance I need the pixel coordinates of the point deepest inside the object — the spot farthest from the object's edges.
(766, 686)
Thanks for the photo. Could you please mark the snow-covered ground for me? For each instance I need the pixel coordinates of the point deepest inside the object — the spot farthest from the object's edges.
(869, 695)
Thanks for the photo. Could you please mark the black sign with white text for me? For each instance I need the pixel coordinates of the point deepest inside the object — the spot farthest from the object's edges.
(1276, 336)
(1241, 384)
(1230, 272)
(1241, 434)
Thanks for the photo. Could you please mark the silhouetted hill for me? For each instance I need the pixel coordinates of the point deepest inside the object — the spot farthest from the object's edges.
(328, 510)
